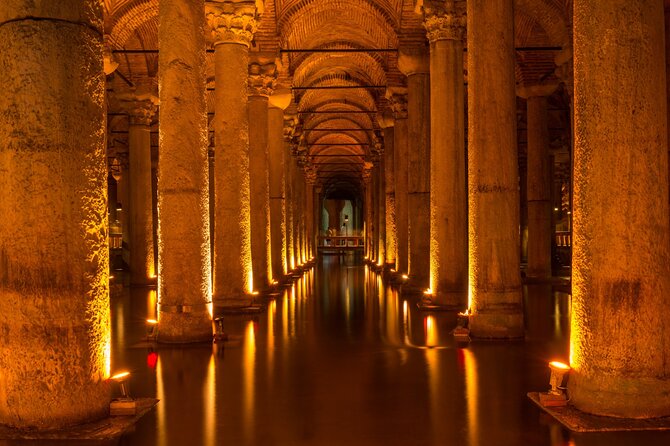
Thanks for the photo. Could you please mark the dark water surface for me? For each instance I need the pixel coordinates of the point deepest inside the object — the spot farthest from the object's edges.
(341, 360)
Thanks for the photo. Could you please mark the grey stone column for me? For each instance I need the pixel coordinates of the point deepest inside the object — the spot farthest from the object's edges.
(233, 24)
(278, 103)
(414, 63)
(398, 101)
(445, 25)
(141, 109)
(539, 181)
(620, 327)
(262, 80)
(493, 183)
(184, 262)
(54, 261)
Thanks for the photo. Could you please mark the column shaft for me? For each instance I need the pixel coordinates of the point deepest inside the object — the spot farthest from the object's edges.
(400, 158)
(418, 179)
(620, 326)
(260, 192)
(277, 192)
(389, 192)
(54, 261)
(539, 190)
(140, 212)
(381, 213)
(448, 198)
(232, 233)
(288, 207)
(495, 282)
(184, 262)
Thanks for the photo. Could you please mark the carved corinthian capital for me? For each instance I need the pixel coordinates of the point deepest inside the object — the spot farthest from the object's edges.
(397, 97)
(262, 79)
(443, 19)
(141, 108)
(233, 21)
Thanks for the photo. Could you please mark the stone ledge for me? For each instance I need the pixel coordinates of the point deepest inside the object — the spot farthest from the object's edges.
(106, 429)
(579, 421)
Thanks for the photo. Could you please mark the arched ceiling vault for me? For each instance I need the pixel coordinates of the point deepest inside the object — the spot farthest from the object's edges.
(340, 125)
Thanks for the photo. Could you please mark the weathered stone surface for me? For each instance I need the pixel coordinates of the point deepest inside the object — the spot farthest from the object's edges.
(620, 306)
(277, 191)
(400, 160)
(232, 234)
(448, 205)
(185, 280)
(54, 292)
(495, 282)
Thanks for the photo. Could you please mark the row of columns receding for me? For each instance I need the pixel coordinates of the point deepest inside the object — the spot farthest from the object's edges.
(54, 310)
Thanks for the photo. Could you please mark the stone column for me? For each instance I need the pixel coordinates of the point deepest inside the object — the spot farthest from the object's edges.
(184, 263)
(414, 63)
(233, 24)
(620, 328)
(398, 100)
(141, 109)
(539, 181)
(54, 304)
(288, 188)
(262, 79)
(387, 122)
(122, 194)
(278, 103)
(309, 220)
(495, 280)
(445, 25)
(380, 191)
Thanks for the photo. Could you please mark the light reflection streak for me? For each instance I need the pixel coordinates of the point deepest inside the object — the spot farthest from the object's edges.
(291, 316)
(209, 399)
(284, 316)
(472, 394)
(161, 425)
(249, 373)
(152, 301)
(431, 331)
(272, 314)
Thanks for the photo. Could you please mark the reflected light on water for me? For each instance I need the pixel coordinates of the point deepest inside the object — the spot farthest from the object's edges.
(471, 393)
(209, 399)
(162, 428)
(249, 373)
(152, 301)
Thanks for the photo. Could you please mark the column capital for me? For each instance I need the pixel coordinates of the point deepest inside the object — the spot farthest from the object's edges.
(262, 79)
(385, 118)
(413, 60)
(443, 19)
(397, 97)
(290, 123)
(529, 91)
(141, 108)
(367, 172)
(281, 98)
(233, 21)
(565, 68)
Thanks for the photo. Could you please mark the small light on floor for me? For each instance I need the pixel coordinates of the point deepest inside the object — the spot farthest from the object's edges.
(428, 292)
(558, 371)
(555, 209)
(152, 328)
(219, 334)
(405, 277)
(122, 379)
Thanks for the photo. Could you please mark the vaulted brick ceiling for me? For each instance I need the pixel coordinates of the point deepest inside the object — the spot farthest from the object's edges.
(335, 24)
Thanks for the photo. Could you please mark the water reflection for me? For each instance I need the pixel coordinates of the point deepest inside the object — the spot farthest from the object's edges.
(341, 359)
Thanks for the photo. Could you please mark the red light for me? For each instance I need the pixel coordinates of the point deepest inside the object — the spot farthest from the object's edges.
(152, 359)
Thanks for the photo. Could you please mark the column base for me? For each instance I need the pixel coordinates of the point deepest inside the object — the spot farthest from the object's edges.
(618, 396)
(445, 301)
(502, 323)
(184, 327)
(415, 286)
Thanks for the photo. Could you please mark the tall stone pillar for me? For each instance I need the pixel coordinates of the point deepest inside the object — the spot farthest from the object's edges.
(262, 79)
(278, 103)
(141, 109)
(398, 100)
(539, 181)
(184, 262)
(445, 25)
(620, 328)
(54, 292)
(123, 195)
(414, 63)
(288, 188)
(387, 122)
(309, 218)
(381, 207)
(233, 24)
(495, 279)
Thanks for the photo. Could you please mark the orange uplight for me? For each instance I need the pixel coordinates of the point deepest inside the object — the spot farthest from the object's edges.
(405, 276)
(559, 365)
(152, 321)
(428, 292)
(120, 376)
